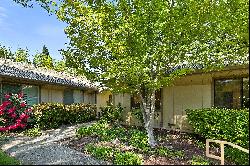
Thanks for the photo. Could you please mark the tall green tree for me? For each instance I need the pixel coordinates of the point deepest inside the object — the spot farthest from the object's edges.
(60, 65)
(43, 59)
(5, 52)
(45, 50)
(134, 45)
(22, 55)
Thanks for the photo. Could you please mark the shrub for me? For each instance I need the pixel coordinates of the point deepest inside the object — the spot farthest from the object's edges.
(127, 158)
(14, 113)
(118, 157)
(223, 124)
(137, 113)
(165, 152)
(139, 140)
(33, 132)
(111, 113)
(52, 115)
(101, 152)
(199, 160)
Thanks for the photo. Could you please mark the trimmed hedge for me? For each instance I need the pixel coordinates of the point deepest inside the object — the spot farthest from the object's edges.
(52, 115)
(223, 124)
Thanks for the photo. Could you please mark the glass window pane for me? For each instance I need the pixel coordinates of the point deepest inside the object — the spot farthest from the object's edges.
(228, 93)
(245, 97)
(135, 102)
(10, 88)
(30, 94)
(68, 96)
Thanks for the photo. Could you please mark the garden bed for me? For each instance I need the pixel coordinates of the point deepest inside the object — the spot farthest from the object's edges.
(176, 148)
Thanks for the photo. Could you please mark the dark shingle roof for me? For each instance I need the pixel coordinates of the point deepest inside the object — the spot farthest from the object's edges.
(28, 71)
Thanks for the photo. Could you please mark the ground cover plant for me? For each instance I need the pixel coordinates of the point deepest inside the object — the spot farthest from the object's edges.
(118, 144)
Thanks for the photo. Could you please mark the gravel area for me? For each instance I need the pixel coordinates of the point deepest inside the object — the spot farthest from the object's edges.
(45, 150)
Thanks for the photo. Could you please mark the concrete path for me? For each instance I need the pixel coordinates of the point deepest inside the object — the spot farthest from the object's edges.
(44, 150)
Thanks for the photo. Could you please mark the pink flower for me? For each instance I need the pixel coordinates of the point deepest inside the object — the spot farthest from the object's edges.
(1, 112)
(2, 107)
(3, 128)
(22, 125)
(18, 120)
(5, 103)
(23, 104)
(11, 110)
(28, 110)
(20, 95)
(13, 115)
(24, 117)
(7, 96)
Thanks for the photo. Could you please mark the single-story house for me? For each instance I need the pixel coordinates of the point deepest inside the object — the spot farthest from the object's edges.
(42, 85)
(225, 88)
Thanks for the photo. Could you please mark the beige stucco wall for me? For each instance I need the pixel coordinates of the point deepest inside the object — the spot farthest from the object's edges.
(188, 92)
(52, 94)
(102, 98)
(192, 92)
(89, 97)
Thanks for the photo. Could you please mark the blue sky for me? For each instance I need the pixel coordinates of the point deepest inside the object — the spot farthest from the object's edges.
(31, 28)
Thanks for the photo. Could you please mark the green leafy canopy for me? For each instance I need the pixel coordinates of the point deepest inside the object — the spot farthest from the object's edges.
(129, 43)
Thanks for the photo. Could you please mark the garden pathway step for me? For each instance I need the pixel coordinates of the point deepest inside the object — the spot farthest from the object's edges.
(44, 150)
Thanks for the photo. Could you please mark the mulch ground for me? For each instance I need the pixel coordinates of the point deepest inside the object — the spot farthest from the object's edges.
(176, 140)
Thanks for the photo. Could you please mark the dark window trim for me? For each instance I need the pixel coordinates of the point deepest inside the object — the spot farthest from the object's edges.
(228, 78)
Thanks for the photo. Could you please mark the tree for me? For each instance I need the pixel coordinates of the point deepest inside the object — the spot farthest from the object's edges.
(60, 65)
(43, 59)
(5, 52)
(48, 5)
(22, 55)
(138, 46)
(45, 50)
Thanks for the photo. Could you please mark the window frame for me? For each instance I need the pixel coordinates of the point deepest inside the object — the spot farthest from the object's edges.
(230, 78)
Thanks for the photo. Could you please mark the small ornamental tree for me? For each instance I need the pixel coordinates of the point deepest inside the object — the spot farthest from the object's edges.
(138, 46)
(14, 113)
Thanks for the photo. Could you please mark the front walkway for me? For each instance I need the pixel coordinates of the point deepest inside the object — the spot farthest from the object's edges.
(44, 150)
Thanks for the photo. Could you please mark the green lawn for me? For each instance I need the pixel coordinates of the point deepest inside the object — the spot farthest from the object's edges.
(7, 160)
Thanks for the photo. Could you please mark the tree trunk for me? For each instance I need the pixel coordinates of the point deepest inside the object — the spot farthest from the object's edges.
(148, 108)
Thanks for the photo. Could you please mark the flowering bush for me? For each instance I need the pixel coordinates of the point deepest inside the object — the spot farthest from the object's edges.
(14, 113)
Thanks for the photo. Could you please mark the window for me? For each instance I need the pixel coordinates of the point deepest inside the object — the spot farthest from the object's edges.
(245, 89)
(231, 93)
(30, 94)
(68, 96)
(135, 101)
(10, 88)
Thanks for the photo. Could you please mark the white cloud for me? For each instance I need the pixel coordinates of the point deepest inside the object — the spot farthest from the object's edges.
(3, 19)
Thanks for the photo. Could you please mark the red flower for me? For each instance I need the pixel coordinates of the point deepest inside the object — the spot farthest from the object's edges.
(13, 115)
(23, 104)
(18, 120)
(28, 110)
(3, 128)
(1, 112)
(20, 95)
(24, 116)
(11, 110)
(7, 96)
(22, 125)
(5, 103)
